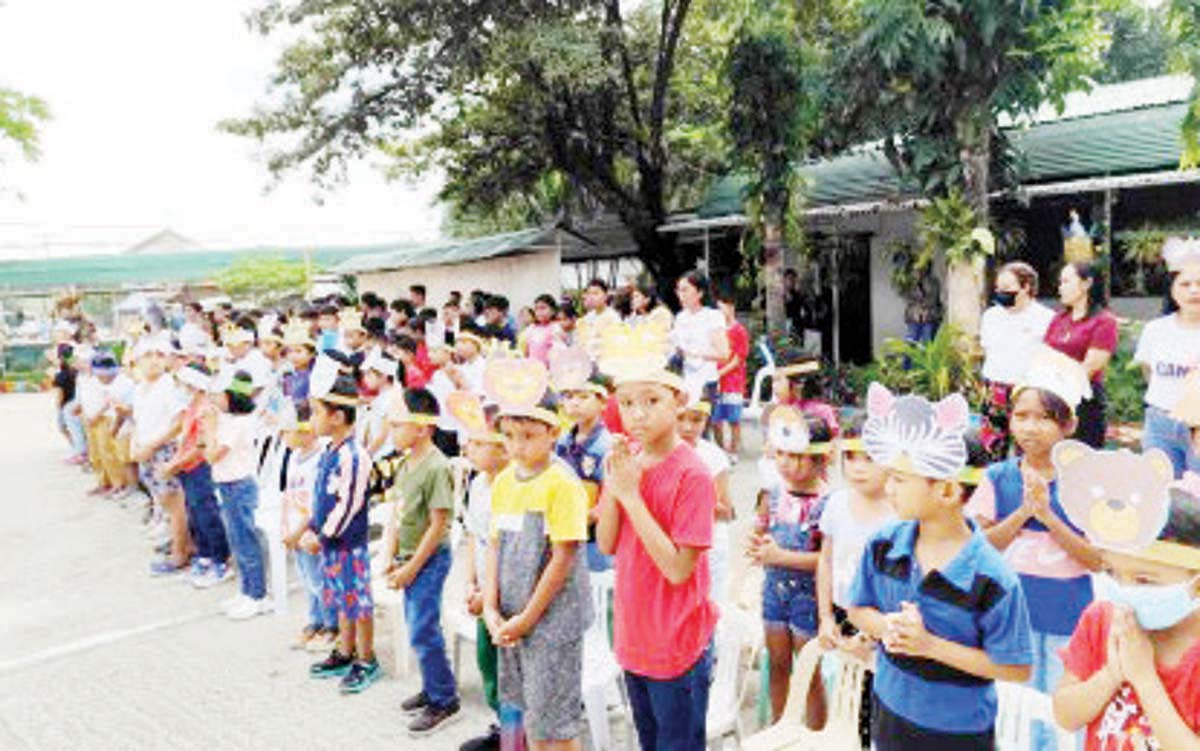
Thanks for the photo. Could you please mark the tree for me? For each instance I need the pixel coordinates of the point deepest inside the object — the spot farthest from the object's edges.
(503, 95)
(260, 277)
(20, 117)
(1141, 42)
(1185, 15)
(931, 77)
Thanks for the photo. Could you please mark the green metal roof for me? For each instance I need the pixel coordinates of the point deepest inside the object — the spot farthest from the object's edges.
(1114, 143)
(438, 254)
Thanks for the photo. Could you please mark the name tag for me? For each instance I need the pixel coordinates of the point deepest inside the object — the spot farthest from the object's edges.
(509, 522)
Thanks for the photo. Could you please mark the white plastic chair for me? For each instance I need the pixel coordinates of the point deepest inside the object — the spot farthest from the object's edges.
(738, 641)
(403, 659)
(267, 520)
(1018, 706)
(840, 733)
(603, 686)
(767, 371)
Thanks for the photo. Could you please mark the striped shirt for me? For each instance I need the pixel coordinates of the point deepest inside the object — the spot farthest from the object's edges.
(340, 496)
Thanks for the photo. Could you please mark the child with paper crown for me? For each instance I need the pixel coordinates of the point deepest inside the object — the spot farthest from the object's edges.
(537, 601)
(299, 348)
(338, 529)
(786, 543)
(1017, 504)
(693, 421)
(798, 383)
(379, 381)
(656, 518)
(416, 545)
(1133, 663)
(588, 441)
(947, 610)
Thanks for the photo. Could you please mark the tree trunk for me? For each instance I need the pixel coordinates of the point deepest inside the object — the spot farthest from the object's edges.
(964, 288)
(772, 269)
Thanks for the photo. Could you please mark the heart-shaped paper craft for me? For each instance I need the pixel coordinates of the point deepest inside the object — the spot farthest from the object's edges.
(515, 383)
(570, 368)
(467, 409)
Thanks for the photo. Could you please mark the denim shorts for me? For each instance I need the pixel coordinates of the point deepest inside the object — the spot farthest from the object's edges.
(348, 582)
(790, 601)
(728, 408)
(148, 468)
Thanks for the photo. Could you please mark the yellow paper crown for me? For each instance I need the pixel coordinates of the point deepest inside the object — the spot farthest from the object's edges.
(350, 320)
(232, 334)
(296, 334)
(570, 369)
(517, 385)
(631, 354)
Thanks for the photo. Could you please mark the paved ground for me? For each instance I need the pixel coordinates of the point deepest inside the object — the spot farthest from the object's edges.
(96, 655)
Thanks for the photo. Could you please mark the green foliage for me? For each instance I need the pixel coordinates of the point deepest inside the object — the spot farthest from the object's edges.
(1125, 386)
(1141, 42)
(263, 278)
(934, 369)
(21, 116)
(949, 226)
(1185, 16)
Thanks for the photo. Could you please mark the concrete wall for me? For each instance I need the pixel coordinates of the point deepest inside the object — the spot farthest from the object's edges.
(520, 278)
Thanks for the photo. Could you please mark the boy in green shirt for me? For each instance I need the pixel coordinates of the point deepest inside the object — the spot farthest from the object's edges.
(416, 544)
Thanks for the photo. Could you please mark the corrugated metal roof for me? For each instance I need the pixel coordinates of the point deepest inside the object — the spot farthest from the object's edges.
(460, 251)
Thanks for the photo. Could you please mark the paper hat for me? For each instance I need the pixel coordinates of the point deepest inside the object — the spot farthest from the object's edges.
(1187, 409)
(231, 334)
(1123, 502)
(351, 320)
(788, 431)
(517, 385)
(290, 420)
(398, 411)
(697, 404)
(158, 344)
(297, 334)
(468, 409)
(466, 335)
(380, 363)
(637, 354)
(268, 328)
(193, 376)
(911, 434)
(1060, 374)
(571, 370)
(802, 366)
(322, 380)
(1179, 252)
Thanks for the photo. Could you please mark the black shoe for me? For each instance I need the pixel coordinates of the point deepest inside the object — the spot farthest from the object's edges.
(415, 703)
(433, 719)
(487, 742)
(335, 665)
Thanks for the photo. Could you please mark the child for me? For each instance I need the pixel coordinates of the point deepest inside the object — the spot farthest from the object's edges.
(727, 414)
(301, 463)
(693, 420)
(1017, 505)
(949, 614)
(1133, 663)
(418, 554)
(583, 448)
(798, 384)
(537, 602)
(210, 566)
(485, 450)
(229, 448)
(300, 351)
(656, 518)
(338, 532)
(378, 379)
(786, 543)
(543, 333)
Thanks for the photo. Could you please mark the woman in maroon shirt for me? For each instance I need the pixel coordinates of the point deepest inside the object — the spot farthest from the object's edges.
(1087, 332)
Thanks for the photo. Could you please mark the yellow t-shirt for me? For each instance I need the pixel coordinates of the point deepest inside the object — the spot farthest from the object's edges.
(555, 493)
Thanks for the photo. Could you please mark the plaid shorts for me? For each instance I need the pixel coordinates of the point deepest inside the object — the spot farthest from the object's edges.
(347, 586)
(148, 468)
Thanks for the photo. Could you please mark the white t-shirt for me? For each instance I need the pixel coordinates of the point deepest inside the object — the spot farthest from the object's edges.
(262, 372)
(1010, 339)
(693, 334)
(155, 406)
(236, 432)
(849, 537)
(118, 391)
(192, 337)
(713, 457)
(478, 521)
(1170, 351)
(89, 392)
(298, 493)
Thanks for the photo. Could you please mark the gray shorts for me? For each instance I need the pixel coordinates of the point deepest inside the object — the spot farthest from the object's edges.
(158, 488)
(546, 683)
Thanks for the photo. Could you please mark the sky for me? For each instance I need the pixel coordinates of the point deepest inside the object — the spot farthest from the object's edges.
(136, 88)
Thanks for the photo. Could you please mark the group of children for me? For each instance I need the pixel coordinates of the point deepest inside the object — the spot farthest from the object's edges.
(588, 454)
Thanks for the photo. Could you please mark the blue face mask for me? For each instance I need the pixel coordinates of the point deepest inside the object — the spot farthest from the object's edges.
(1155, 606)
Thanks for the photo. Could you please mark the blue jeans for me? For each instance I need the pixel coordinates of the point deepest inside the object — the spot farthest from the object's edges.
(204, 514)
(74, 427)
(1172, 436)
(423, 611)
(920, 332)
(596, 560)
(312, 576)
(239, 499)
(1047, 672)
(672, 715)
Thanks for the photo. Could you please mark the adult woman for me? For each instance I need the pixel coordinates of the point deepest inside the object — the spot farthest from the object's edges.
(1010, 332)
(1087, 332)
(1168, 349)
(644, 306)
(698, 333)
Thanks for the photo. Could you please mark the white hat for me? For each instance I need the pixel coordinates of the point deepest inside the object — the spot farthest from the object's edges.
(380, 363)
(155, 343)
(1181, 251)
(189, 376)
(1061, 375)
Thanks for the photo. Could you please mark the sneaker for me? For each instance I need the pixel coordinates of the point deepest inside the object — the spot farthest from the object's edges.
(217, 573)
(360, 677)
(489, 741)
(414, 704)
(198, 570)
(164, 567)
(231, 602)
(322, 641)
(247, 609)
(163, 548)
(335, 665)
(433, 719)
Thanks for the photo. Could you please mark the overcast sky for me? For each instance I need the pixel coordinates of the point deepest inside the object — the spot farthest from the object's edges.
(136, 88)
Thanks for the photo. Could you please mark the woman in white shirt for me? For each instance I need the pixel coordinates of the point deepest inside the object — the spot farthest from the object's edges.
(698, 333)
(1168, 350)
(1010, 332)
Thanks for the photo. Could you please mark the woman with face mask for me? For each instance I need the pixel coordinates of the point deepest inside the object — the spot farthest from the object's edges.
(1009, 332)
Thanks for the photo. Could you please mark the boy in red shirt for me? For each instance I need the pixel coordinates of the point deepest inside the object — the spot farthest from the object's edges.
(656, 519)
(732, 381)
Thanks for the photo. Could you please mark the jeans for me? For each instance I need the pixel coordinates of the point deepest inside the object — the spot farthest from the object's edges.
(239, 499)
(920, 332)
(204, 514)
(596, 560)
(312, 575)
(1047, 672)
(1173, 437)
(423, 611)
(74, 427)
(671, 715)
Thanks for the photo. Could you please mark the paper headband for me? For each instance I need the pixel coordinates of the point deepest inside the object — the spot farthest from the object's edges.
(321, 380)
(467, 408)
(517, 385)
(787, 431)
(637, 354)
(296, 334)
(911, 434)
(350, 320)
(1179, 252)
(571, 370)
(1061, 375)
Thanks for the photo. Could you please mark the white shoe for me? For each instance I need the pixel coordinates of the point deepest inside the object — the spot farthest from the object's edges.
(247, 609)
(229, 603)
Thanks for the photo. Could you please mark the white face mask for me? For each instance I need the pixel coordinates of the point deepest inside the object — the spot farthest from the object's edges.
(1156, 606)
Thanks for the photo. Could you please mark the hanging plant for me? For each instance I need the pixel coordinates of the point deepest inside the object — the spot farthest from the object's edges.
(949, 224)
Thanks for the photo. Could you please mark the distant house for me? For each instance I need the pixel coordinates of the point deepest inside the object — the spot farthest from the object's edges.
(163, 242)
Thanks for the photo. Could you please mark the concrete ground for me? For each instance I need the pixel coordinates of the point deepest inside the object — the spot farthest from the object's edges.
(94, 654)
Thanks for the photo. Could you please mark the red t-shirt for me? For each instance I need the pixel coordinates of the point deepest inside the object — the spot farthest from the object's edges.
(193, 416)
(734, 382)
(1122, 718)
(611, 416)
(660, 629)
(1075, 338)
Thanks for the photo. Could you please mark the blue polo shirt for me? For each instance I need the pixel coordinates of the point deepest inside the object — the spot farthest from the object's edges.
(586, 457)
(975, 600)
